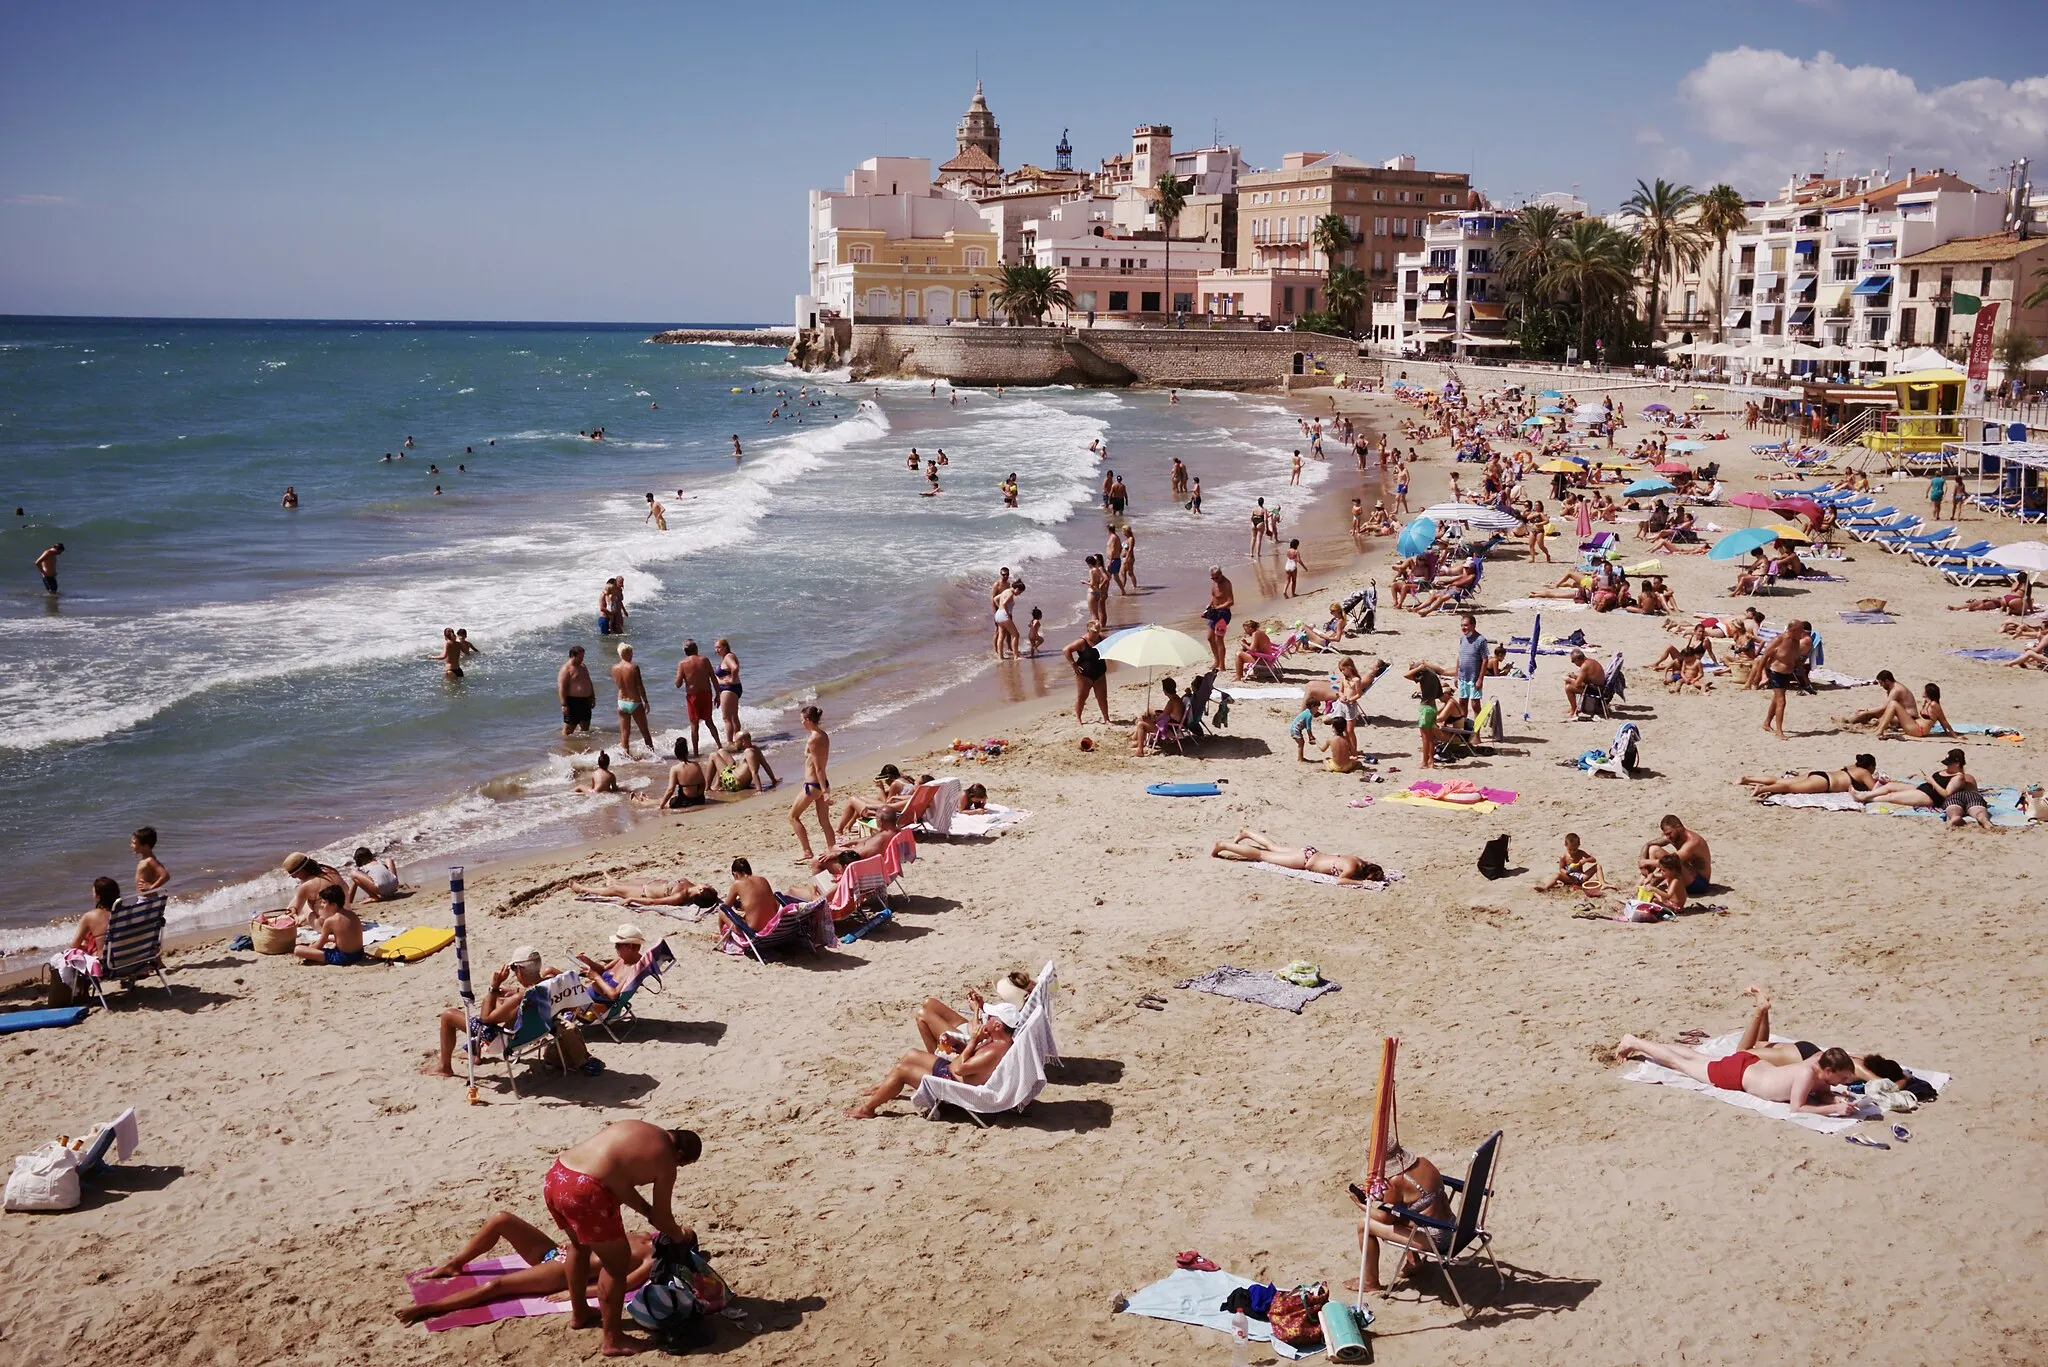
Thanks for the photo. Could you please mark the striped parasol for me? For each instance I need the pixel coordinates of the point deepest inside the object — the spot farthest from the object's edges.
(462, 982)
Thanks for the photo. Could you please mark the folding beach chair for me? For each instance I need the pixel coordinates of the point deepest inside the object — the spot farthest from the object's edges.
(1466, 1236)
(534, 1029)
(618, 1017)
(1198, 695)
(1267, 659)
(1018, 1078)
(135, 944)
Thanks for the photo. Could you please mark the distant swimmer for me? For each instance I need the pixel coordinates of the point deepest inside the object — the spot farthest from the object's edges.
(576, 692)
(1173, 396)
(1009, 488)
(654, 405)
(291, 497)
(611, 608)
(408, 443)
(656, 513)
(453, 650)
(931, 474)
(736, 450)
(433, 469)
(942, 457)
(913, 461)
(46, 566)
(462, 469)
(437, 491)
(632, 701)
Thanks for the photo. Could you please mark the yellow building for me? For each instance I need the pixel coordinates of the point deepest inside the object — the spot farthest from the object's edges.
(891, 247)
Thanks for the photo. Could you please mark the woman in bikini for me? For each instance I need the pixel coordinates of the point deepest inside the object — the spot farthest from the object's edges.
(1859, 777)
(1254, 847)
(1756, 1039)
(1928, 717)
(1932, 791)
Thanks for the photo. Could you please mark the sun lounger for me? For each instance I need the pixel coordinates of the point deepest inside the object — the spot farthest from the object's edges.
(135, 944)
(1977, 574)
(532, 1032)
(1018, 1078)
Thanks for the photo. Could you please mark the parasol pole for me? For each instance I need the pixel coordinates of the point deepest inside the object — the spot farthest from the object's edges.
(1529, 672)
(1384, 1130)
(462, 974)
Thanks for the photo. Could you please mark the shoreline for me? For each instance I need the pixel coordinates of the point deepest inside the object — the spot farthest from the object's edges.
(961, 708)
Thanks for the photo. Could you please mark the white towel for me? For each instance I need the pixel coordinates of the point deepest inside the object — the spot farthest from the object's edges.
(945, 807)
(1646, 1071)
(1827, 802)
(1547, 604)
(1241, 692)
(1311, 876)
(996, 818)
(127, 1134)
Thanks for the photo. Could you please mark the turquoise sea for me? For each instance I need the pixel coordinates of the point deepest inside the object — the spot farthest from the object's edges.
(252, 680)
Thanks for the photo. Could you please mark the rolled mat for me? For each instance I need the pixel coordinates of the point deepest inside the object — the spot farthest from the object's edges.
(1343, 1335)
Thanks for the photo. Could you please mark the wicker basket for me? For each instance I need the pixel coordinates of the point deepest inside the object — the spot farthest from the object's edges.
(274, 932)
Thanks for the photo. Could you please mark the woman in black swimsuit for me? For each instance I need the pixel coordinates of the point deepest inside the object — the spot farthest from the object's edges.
(1932, 792)
(1859, 777)
(1091, 673)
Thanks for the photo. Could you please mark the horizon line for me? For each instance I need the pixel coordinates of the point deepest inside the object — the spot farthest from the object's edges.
(371, 322)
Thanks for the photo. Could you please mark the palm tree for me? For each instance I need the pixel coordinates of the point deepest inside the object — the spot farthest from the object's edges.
(1171, 200)
(2040, 294)
(1670, 240)
(1028, 293)
(1331, 237)
(2013, 352)
(1347, 291)
(1722, 214)
(1528, 243)
(1591, 264)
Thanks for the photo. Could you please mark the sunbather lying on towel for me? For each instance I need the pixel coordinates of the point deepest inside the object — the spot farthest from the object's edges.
(548, 1275)
(1254, 847)
(1806, 1086)
(975, 1064)
(681, 893)
(1413, 1183)
(1859, 777)
(499, 1008)
(946, 1031)
(1756, 1039)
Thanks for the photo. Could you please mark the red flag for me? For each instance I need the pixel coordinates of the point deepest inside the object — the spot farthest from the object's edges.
(1980, 353)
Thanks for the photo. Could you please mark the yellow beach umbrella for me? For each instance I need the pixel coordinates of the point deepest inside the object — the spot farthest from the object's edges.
(1561, 467)
(1786, 533)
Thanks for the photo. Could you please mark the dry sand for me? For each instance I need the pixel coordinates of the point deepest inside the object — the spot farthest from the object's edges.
(295, 1163)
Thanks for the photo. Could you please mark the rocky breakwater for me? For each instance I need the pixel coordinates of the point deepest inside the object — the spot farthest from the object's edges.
(764, 336)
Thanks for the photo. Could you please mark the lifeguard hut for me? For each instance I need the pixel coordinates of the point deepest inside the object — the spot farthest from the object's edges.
(1929, 414)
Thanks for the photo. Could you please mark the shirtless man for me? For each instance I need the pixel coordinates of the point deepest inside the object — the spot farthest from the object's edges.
(499, 1009)
(1222, 598)
(632, 701)
(867, 847)
(578, 695)
(727, 678)
(742, 766)
(1782, 662)
(1795, 1084)
(693, 675)
(46, 566)
(584, 1190)
(974, 1065)
(1586, 678)
(817, 792)
(1253, 847)
(1691, 849)
(546, 1274)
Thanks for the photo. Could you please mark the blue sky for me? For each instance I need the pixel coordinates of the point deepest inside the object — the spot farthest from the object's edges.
(648, 162)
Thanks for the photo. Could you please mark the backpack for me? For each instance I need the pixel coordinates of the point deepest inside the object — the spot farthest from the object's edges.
(681, 1293)
(1493, 860)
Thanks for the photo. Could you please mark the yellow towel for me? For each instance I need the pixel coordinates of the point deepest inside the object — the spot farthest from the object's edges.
(1437, 803)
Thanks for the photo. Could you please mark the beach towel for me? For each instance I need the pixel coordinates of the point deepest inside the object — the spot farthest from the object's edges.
(1192, 1298)
(1331, 880)
(1237, 692)
(1823, 802)
(1994, 654)
(1260, 989)
(1499, 796)
(1646, 1071)
(1821, 578)
(425, 1289)
(414, 944)
(1416, 795)
(2002, 805)
(1834, 678)
(375, 933)
(1868, 619)
(989, 822)
(14, 1022)
(1547, 604)
(1992, 730)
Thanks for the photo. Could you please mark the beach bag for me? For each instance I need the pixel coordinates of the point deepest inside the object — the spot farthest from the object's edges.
(575, 1053)
(44, 1180)
(273, 932)
(1493, 860)
(1297, 1316)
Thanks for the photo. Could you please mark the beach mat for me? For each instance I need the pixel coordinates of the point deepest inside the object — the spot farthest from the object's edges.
(2002, 806)
(1990, 654)
(989, 822)
(1260, 989)
(413, 945)
(14, 1022)
(1329, 880)
(1646, 1071)
(425, 1289)
(1181, 790)
(1867, 619)
(1430, 787)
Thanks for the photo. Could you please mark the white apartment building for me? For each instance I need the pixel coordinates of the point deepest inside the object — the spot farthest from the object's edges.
(1815, 266)
(1448, 293)
(893, 245)
(1116, 273)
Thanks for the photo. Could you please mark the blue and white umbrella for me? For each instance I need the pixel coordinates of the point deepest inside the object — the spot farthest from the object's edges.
(462, 982)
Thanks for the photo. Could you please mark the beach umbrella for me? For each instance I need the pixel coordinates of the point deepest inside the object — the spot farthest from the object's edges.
(1656, 408)
(1738, 544)
(1786, 533)
(1417, 537)
(1550, 410)
(1530, 422)
(1647, 486)
(1584, 524)
(1550, 394)
(462, 969)
(1472, 515)
(1799, 507)
(1687, 446)
(1153, 647)
(1560, 467)
(1749, 499)
(2031, 556)
(1672, 467)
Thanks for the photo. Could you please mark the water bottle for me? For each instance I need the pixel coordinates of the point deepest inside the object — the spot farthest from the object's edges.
(1240, 1340)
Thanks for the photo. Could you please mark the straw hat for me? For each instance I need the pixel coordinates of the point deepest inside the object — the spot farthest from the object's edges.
(1008, 989)
(628, 934)
(296, 861)
(1399, 1160)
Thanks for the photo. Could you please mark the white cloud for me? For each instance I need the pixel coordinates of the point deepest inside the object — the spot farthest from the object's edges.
(41, 201)
(1783, 114)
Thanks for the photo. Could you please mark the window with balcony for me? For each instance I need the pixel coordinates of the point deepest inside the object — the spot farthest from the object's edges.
(1878, 326)
(1351, 224)
(1379, 262)
(1400, 227)
(1379, 227)
(1845, 268)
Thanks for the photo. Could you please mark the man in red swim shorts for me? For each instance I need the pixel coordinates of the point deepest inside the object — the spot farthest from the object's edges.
(584, 1190)
(1806, 1086)
(693, 675)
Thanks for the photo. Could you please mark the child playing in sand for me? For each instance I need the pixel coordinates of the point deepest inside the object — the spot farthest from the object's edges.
(1577, 870)
(1432, 693)
(1302, 730)
(341, 933)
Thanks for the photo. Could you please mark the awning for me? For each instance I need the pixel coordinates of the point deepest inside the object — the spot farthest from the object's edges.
(1489, 311)
(1433, 312)
(1873, 284)
(1737, 318)
(1766, 279)
(1806, 244)
(1803, 281)
(1801, 315)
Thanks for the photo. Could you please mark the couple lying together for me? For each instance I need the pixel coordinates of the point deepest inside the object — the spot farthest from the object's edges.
(1951, 790)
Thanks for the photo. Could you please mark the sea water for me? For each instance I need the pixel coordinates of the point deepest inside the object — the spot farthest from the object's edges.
(253, 680)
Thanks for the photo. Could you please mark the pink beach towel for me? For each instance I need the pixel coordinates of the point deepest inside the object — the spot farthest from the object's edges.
(425, 1289)
(1431, 788)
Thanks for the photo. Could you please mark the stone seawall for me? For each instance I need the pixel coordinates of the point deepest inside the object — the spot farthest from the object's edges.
(769, 336)
(1156, 357)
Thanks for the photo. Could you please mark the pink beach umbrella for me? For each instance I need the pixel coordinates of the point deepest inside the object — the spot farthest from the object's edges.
(1673, 467)
(1753, 500)
(1585, 519)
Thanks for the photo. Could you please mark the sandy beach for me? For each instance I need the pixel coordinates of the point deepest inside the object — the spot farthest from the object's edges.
(296, 1163)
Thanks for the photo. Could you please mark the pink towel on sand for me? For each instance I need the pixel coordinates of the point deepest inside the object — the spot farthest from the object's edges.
(425, 1289)
(1431, 788)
